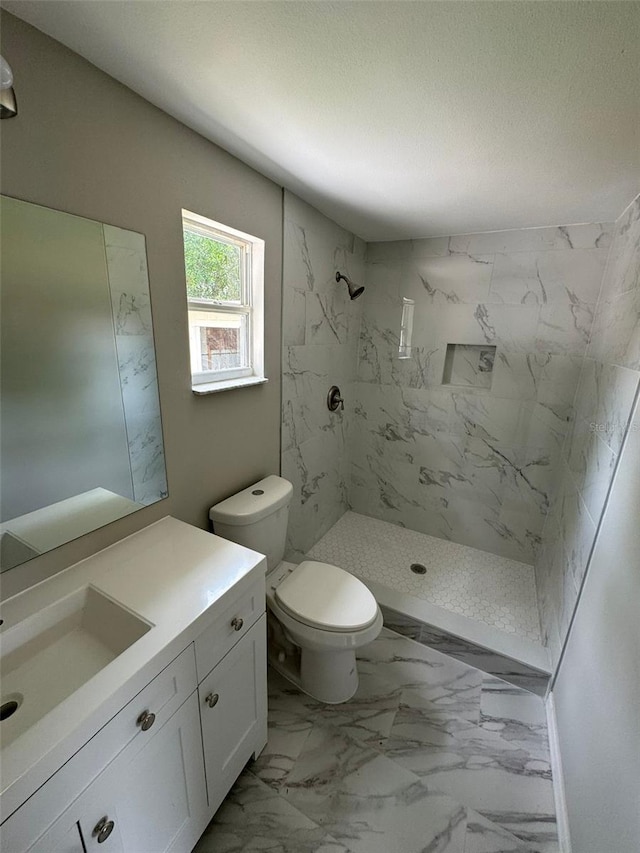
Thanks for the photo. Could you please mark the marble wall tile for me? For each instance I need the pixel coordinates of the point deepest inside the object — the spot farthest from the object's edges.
(383, 280)
(592, 465)
(545, 426)
(294, 333)
(423, 367)
(305, 374)
(607, 386)
(547, 277)
(448, 280)
(495, 419)
(604, 400)
(533, 239)
(429, 247)
(512, 328)
(549, 574)
(318, 471)
(398, 250)
(617, 331)
(624, 270)
(315, 248)
(516, 376)
(321, 328)
(565, 327)
(476, 466)
(577, 528)
(327, 319)
(126, 258)
(473, 465)
(558, 377)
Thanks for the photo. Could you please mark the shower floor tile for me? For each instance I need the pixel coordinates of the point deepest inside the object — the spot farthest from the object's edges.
(494, 590)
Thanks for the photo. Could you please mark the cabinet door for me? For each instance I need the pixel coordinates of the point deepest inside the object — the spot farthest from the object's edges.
(155, 796)
(233, 707)
(62, 837)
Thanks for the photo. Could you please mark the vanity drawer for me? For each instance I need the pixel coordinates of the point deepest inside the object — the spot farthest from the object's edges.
(161, 697)
(243, 612)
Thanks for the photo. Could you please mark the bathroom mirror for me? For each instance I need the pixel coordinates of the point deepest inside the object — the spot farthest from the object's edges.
(80, 429)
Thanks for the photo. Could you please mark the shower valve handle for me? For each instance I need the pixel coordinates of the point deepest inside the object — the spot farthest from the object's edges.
(334, 399)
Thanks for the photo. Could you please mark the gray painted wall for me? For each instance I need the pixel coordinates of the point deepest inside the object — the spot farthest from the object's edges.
(85, 144)
(597, 691)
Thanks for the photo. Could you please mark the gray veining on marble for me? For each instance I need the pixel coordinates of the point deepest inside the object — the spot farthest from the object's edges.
(320, 337)
(431, 755)
(520, 468)
(609, 378)
(490, 662)
(126, 259)
(472, 464)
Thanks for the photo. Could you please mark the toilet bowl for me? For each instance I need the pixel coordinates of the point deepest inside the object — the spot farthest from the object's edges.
(318, 614)
(328, 614)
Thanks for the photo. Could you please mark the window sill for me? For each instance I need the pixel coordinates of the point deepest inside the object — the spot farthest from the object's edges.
(227, 385)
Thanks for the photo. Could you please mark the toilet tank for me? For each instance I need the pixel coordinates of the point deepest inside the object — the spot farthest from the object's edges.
(256, 517)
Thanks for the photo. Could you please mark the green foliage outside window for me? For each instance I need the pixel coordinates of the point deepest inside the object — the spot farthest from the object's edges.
(212, 268)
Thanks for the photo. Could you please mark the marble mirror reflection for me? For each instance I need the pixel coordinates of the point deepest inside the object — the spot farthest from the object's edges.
(80, 429)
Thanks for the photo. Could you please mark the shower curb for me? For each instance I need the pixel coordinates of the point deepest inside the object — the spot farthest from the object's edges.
(489, 661)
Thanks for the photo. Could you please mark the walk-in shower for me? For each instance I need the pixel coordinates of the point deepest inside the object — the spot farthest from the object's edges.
(464, 444)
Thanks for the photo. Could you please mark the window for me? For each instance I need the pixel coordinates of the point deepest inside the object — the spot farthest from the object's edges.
(224, 271)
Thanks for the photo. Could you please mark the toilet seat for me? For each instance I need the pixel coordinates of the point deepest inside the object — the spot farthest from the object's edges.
(324, 596)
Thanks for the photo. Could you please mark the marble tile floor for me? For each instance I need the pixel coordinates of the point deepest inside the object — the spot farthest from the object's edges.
(431, 755)
(495, 590)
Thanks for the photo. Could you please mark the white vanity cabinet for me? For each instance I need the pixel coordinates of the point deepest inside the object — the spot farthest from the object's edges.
(63, 837)
(149, 800)
(154, 798)
(233, 707)
(139, 784)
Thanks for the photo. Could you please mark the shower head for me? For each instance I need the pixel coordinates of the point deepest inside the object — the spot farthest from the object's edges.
(8, 105)
(354, 290)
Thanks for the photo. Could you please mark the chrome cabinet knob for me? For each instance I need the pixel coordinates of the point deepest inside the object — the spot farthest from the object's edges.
(237, 623)
(103, 829)
(146, 720)
(212, 699)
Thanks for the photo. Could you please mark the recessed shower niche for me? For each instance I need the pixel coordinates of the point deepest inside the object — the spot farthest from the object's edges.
(469, 365)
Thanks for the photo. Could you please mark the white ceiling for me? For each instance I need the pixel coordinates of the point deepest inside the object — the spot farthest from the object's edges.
(396, 119)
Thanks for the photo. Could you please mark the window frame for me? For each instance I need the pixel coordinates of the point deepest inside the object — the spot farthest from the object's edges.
(250, 307)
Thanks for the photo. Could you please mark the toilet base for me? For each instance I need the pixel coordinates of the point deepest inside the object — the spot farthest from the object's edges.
(331, 677)
(330, 681)
(328, 676)
(320, 663)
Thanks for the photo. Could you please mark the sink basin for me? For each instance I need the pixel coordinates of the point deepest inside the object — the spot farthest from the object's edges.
(50, 654)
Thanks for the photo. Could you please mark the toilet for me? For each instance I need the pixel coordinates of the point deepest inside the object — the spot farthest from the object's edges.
(318, 614)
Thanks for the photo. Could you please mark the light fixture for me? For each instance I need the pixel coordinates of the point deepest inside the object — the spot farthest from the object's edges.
(8, 104)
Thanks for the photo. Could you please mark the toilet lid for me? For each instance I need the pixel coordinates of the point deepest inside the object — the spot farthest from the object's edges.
(324, 596)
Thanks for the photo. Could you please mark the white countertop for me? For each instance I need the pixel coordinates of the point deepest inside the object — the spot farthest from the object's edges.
(175, 576)
(52, 526)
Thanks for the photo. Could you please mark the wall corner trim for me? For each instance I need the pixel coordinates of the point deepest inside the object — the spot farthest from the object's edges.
(562, 815)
